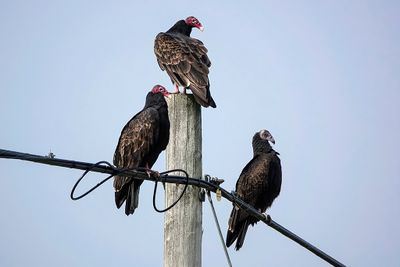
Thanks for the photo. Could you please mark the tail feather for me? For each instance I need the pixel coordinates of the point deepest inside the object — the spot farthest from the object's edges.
(132, 200)
(120, 196)
(203, 96)
(129, 194)
(232, 232)
(238, 223)
(231, 237)
(242, 234)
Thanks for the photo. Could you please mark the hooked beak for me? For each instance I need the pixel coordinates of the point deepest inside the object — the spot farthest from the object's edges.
(271, 139)
(264, 134)
(167, 94)
(200, 27)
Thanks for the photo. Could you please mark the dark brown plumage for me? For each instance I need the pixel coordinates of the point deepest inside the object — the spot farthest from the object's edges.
(141, 141)
(258, 185)
(185, 59)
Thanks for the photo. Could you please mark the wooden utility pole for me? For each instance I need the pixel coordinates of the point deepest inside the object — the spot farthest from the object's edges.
(183, 223)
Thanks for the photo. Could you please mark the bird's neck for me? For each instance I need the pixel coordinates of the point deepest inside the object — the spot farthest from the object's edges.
(156, 104)
(155, 100)
(260, 152)
(162, 107)
(261, 147)
(181, 27)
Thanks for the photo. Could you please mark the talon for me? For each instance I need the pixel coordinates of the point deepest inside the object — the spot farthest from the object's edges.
(176, 90)
(154, 174)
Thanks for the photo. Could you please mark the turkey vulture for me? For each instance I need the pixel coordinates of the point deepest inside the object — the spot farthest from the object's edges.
(258, 185)
(141, 141)
(185, 59)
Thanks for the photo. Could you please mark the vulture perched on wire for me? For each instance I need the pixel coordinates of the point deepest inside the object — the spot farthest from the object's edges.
(258, 185)
(185, 60)
(141, 141)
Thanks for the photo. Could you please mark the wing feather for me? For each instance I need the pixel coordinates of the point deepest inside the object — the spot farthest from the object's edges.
(260, 181)
(186, 62)
(138, 138)
(259, 184)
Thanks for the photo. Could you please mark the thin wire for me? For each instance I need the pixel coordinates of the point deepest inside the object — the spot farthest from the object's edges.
(219, 228)
(179, 198)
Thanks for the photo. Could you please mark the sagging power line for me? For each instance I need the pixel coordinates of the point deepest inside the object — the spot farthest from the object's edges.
(167, 178)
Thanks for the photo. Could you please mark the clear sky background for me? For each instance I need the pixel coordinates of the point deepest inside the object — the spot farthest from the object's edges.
(322, 76)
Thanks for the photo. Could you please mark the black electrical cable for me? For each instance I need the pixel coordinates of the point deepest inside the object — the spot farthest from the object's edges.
(117, 172)
(112, 171)
(179, 198)
(94, 187)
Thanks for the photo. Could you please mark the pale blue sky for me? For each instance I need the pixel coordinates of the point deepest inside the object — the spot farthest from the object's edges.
(322, 76)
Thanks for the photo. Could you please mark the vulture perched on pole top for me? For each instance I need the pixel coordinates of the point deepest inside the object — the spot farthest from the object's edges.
(141, 142)
(258, 185)
(185, 60)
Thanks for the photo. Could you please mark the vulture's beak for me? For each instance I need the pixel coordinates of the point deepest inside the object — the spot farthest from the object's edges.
(271, 139)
